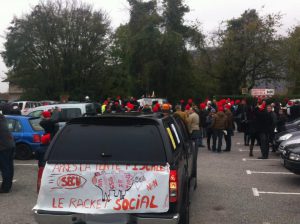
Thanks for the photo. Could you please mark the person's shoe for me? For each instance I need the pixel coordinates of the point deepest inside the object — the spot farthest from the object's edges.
(226, 150)
(201, 146)
(2, 191)
(208, 148)
(262, 157)
(219, 151)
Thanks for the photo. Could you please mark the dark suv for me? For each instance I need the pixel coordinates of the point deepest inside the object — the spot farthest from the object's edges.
(152, 140)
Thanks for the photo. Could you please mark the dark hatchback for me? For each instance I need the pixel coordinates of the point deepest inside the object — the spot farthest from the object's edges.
(291, 158)
(284, 136)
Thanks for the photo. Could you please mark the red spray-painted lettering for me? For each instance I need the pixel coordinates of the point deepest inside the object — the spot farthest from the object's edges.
(135, 203)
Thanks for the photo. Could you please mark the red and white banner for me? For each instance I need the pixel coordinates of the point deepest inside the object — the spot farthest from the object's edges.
(104, 189)
(262, 92)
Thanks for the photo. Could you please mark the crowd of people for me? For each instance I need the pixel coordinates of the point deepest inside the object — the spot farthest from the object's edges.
(217, 120)
(211, 119)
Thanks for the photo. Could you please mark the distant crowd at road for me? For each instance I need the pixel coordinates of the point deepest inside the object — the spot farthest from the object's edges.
(215, 120)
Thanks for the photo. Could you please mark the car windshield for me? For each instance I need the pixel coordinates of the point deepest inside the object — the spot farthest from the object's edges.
(90, 109)
(109, 144)
(35, 124)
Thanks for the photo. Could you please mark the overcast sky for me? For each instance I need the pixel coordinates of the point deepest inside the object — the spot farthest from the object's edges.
(209, 12)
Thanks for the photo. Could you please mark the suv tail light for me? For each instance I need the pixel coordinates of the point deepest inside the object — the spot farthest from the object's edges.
(39, 179)
(173, 186)
(36, 138)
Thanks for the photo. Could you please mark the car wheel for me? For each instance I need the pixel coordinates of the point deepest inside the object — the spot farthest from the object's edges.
(185, 214)
(23, 152)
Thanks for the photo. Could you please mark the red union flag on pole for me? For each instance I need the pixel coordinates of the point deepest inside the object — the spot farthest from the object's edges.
(262, 92)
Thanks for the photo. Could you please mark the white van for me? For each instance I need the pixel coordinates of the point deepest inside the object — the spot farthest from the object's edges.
(68, 111)
(26, 106)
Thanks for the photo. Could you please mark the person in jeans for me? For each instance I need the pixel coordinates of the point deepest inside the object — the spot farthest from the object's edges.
(219, 124)
(7, 148)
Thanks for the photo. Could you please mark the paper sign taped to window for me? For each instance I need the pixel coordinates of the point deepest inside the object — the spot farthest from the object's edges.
(104, 189)
(171, 138)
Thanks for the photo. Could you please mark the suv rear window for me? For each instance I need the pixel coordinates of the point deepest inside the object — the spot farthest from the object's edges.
(109, 144)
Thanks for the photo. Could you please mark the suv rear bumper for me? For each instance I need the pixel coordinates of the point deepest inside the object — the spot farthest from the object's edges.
(68, 218)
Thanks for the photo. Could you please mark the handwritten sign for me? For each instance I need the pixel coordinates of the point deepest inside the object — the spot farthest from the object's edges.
(104, 189)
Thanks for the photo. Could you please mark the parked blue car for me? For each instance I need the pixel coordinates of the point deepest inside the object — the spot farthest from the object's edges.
(27, 134)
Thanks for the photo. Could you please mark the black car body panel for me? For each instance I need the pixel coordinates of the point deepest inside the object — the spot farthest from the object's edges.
(291, 164)
(293, 133)
(182, 158)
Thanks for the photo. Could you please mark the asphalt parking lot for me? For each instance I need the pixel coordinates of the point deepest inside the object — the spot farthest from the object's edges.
(232, 189)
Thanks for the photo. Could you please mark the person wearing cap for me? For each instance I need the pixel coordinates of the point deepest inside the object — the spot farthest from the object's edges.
(219, 125)
(7, 148)
(47, 123)
(263, 123)
(166, 109)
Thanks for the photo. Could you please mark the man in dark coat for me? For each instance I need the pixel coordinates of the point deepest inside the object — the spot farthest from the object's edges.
(229, 129)
(263, 123)
(7, 146)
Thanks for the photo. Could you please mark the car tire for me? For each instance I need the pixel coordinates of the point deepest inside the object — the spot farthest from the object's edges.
(185, 212)
(23, 152)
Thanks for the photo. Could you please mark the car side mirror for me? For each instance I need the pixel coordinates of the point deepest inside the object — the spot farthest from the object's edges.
(45, 140)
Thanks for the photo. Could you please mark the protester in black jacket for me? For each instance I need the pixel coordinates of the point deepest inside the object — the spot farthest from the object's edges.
(7, 146)
(252, 125)
(263, 123)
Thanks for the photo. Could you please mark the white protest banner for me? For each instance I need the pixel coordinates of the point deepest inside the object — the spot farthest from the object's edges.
(104, 189)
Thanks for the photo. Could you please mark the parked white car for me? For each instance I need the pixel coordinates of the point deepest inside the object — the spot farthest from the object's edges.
(149, 101)
(68, 111)
(26, 106)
